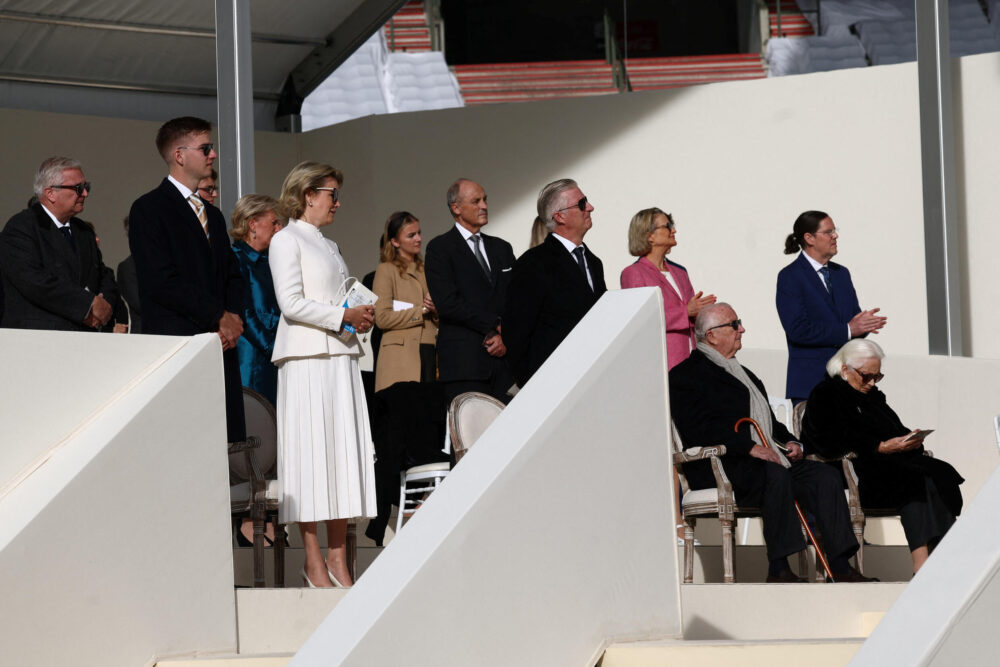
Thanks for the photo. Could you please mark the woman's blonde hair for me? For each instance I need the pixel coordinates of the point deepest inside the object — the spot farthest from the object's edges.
(538, 232)
(393, 226)
(641, 227)
(248, 208)
(303, 177)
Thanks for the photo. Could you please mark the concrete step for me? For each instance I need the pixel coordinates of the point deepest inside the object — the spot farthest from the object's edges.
(679, 653)
(227, 661)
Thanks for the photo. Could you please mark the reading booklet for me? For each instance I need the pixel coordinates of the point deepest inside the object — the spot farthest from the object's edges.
(918, 434)
(357, 295)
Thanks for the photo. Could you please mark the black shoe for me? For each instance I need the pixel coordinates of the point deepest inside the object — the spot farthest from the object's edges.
(785, 577)
(242, 541)
(852, 576)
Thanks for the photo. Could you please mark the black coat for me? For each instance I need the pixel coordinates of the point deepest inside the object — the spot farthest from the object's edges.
(46, 284)
(185, 282)
(469, 306)
(705, 404)
(547, 297)
(839, 419)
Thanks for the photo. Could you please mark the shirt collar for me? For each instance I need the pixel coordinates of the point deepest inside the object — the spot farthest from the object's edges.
(813, 263)
(59, 225)
(570, 247)
(184, 190)
(466, 234)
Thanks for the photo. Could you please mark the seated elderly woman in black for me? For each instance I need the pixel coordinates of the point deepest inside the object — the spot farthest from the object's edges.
(847, 413)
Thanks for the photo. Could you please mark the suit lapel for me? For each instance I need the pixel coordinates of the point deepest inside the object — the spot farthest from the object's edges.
(468, 257)
(815, 282)
(187, 220)
(58, 243)
(567, 263)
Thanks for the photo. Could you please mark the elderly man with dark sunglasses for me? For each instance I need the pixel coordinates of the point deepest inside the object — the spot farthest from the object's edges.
(554, 284)
(53, 273)
(709, 393)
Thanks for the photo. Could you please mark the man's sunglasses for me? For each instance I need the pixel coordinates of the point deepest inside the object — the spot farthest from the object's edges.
(735, 324)
(78, 188)
(204, 148)
(582, 205)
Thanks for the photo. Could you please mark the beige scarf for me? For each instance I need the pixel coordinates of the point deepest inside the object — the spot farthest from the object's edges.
(760, 409)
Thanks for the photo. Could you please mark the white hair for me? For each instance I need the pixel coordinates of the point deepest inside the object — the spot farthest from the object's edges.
(50, 172)
(853, 353)
(708, 318)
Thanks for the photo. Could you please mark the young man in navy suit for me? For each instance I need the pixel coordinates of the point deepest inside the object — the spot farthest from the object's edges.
(817, 304)
(189, 280)
(554, 284)
(467, 275)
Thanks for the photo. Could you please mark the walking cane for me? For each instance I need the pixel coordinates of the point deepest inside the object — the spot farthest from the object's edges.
(798, 509)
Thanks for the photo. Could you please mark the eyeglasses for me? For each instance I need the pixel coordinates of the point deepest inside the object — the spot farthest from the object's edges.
(868, 377)
(204, 148)
(830, 232)
(78, 188)
(334, 193)
(582, 205)
(211, 191)
(670, 226)
(735, 325)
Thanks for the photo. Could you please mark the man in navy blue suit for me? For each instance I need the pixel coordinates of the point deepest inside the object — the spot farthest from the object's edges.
(817, 304)
(189, 279)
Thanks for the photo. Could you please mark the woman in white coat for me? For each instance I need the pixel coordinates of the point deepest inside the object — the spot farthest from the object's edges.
(325, 454)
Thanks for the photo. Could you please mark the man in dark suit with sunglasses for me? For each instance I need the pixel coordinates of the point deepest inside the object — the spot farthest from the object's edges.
(709, 393)
(467, 275)
(53, 274)
(554, 284)
(189, 279)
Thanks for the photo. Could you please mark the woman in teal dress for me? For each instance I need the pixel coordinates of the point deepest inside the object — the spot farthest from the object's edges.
(255, 221)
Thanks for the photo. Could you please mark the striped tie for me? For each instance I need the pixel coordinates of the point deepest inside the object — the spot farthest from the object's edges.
(199, 209)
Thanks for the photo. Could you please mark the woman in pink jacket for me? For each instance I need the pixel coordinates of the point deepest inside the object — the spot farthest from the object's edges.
(651, 236)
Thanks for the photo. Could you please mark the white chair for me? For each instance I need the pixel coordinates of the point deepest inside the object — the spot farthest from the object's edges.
(996, 424)
(468, 416)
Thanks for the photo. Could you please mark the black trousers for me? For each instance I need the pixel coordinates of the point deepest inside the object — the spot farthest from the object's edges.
(773, 488)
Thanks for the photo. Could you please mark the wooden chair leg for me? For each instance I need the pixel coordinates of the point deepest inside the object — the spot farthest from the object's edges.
(689, 550)
(259, 516)
(352, 548)
(279, 553)
(728, 567)
(859, 532)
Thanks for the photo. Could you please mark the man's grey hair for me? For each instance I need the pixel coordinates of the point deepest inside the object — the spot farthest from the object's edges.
(453, 191)
(708, 317)
(853, 353)
(550, 200)
(50, 172)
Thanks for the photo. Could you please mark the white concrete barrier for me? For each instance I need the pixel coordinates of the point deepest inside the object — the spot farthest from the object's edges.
(553, 538)
(114, 534)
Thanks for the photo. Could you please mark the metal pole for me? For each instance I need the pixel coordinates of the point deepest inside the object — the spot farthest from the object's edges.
(234, 75)
(937, 157)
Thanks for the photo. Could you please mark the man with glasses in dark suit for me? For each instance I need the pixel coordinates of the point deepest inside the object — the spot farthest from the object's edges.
(467, 275)
(554, 284)
(189, 279)
(53, 274)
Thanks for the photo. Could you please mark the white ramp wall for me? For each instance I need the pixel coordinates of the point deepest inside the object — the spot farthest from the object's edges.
(555, 534)
(948, 614)
(115, 546)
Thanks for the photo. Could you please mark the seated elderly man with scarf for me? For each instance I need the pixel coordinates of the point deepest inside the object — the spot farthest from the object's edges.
(709, 392)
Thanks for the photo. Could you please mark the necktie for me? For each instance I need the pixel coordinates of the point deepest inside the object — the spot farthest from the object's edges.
(199, 209)
(479, 257)
(825, 272)
(68, 235)
(578, 252)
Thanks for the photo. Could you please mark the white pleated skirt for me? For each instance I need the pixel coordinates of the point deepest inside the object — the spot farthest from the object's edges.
(326, 460)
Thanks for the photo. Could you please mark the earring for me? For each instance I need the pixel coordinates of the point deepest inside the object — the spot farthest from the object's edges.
(310, 203)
